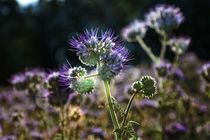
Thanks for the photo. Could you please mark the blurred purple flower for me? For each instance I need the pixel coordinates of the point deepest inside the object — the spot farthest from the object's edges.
(134, 29)
(164, 18)
(179, 45)
(148, 103)
(175, 128)
(163, 68)
(205, 72)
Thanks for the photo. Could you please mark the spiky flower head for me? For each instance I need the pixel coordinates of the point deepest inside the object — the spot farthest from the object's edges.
(146, 86)
(179, 45)
(91, 45)
(134, 29)
(205, 72)
(75, 78)
(112, 64)
(164, 18)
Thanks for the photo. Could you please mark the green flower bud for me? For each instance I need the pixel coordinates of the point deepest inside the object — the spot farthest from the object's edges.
(149, 88)
(77, 72)
(146, 86)
(83, 86)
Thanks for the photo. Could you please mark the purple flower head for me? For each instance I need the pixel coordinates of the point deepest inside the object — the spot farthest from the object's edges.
(175, 128)
(134, 29)
(205, 72)
(91, 45)
(164, 18)
(113, 63)
(163, 68)
(179, 45)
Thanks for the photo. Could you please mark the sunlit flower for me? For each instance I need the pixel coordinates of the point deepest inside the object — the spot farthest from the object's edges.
(91, 45)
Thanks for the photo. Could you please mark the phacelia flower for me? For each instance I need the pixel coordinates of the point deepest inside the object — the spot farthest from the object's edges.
(146, 86)
(90, 46)
(179, 45)
(112, 64)
(205, 72)
(134, 29)
(75, 78)
(164, 19)
(163, 68)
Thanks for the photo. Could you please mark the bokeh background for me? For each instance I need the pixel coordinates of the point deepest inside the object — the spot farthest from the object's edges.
(37, 35)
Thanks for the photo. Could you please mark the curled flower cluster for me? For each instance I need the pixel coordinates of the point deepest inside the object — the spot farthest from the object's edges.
(135, 28)
(179, 45)
(164, 19)
(75, 78)
(146, 86)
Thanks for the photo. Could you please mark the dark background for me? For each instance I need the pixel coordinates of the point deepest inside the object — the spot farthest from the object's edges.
(37, 36)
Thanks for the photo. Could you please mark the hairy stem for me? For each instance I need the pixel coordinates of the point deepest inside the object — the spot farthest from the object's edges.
(128, 109)
(146, 49)
(111, 108)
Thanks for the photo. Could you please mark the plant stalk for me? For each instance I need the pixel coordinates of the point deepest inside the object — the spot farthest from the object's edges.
(128, 109)
(146, 49)
(111, 108)
(163, 49)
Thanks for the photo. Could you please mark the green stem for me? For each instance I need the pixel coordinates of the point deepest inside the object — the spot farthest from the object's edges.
(163, 49)
(92, 75)
(111, 108)
(176, 60)
(146, 49)
(128, 109)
